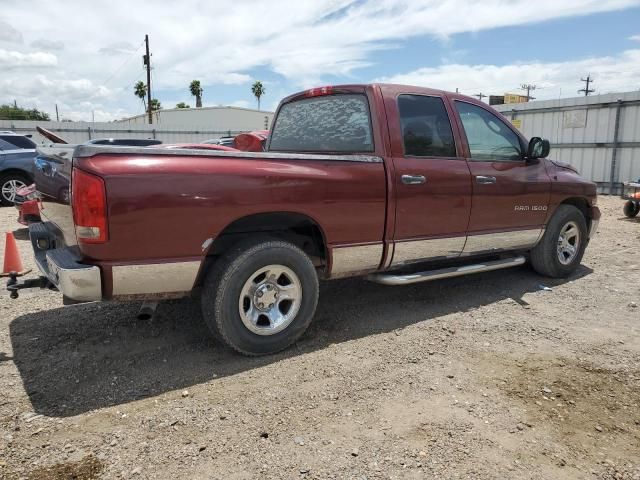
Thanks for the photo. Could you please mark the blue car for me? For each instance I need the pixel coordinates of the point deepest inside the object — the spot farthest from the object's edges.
(17, 154)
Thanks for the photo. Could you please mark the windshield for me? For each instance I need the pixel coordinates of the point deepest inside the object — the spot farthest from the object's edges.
(335, 123)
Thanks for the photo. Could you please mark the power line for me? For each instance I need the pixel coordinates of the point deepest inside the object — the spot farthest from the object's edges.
(117, 70)
(529, 88)
(480, 96)
(586, 89)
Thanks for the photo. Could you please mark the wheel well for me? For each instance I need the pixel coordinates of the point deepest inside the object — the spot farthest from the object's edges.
(22, 173)
(296, 228)
(581, 204)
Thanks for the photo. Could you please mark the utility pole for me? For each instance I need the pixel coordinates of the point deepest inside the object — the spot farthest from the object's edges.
(57, 116)
(586, 89)
(480, 96)
(529, 88)
(147, 64)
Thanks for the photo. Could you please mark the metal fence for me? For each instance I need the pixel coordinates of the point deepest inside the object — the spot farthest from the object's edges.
(80, 132)
(599, 135)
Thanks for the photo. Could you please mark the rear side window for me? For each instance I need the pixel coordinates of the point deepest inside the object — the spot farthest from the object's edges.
(18, 141)
(335, 123)
(426, 130)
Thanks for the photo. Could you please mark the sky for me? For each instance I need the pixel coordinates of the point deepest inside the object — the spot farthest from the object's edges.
(86, 56)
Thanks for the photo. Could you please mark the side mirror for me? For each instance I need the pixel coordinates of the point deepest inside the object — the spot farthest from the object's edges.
(538, 148)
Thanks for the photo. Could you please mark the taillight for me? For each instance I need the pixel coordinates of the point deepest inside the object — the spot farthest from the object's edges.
(317, 92)
(89, 204)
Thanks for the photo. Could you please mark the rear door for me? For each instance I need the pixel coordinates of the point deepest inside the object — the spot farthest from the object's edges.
(510, 194)
(432, 181)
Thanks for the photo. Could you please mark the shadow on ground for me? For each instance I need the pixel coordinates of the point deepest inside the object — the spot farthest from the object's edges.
(83, 357)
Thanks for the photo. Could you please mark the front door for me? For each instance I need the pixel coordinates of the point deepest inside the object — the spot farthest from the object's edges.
(510, 193)
(432, 182)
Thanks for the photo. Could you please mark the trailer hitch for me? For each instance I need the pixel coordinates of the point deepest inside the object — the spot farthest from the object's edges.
(13, 286)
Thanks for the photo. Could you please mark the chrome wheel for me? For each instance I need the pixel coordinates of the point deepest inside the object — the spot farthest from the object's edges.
(568, 243)
(270, 299)
(10, 189)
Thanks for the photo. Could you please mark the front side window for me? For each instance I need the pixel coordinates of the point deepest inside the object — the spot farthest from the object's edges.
(333, 123)
(489, 137)
(425, 126)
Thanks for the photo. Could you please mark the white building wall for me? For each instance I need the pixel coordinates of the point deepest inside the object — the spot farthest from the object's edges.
(210, 118)
(582, 132)
(170, 126)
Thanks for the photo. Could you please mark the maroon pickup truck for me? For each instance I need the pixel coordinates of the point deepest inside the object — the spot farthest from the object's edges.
(396, 183)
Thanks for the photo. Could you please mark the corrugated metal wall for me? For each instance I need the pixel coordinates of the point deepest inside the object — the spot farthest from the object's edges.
(80, 132)
(582, 132)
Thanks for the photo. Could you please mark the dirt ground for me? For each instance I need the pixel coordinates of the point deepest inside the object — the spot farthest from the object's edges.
(488, 376)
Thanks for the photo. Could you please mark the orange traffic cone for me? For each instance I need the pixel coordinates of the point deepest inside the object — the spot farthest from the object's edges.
(12, 261)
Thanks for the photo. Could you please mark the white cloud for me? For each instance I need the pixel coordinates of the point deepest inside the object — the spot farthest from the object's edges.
(611, 73)
(9, 34)
(222, 42)
(635, 38)
(12, 59)
(76, 90)
(117, 48)
(44, 44)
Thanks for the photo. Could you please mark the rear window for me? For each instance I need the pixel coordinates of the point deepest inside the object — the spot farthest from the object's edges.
(18, 141)
(336, 123)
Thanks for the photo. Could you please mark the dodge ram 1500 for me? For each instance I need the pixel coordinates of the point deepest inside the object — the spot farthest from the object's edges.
(395, 183)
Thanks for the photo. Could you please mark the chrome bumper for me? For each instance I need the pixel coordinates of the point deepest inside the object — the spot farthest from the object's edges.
(75, 280)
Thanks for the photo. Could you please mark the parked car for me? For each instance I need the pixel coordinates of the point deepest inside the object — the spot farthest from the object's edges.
(26, 202)
(255, 141)
(17, 153)
(224, 141)
(395, 183)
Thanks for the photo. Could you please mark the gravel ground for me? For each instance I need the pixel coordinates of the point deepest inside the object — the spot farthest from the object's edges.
(488, 376)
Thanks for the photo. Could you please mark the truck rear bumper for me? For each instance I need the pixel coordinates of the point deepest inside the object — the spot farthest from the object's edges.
(75, 280)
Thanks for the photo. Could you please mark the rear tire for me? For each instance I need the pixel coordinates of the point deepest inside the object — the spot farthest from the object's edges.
(9, 184)
(562, 246)
(260, 297)
(631, 209)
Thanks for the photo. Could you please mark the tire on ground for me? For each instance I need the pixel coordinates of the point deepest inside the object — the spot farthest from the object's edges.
(631, 209)
(545, 258)
(226, 279)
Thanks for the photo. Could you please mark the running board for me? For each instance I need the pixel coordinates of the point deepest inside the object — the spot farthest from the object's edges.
(390, 279)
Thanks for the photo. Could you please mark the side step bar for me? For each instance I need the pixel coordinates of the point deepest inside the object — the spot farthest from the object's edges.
(391, 279)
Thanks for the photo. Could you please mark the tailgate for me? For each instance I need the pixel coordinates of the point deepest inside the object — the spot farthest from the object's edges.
(53, 180)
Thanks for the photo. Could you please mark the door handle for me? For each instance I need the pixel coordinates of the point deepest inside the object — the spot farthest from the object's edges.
(485, 179)
(413, 179)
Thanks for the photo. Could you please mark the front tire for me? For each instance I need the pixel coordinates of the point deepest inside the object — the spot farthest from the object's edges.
(562, 246)
(260, 297)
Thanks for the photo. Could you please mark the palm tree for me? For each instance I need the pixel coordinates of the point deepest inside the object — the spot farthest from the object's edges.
(258, 91)
(140, 91)
(155, 104)
(182, 105)
(196, 91)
